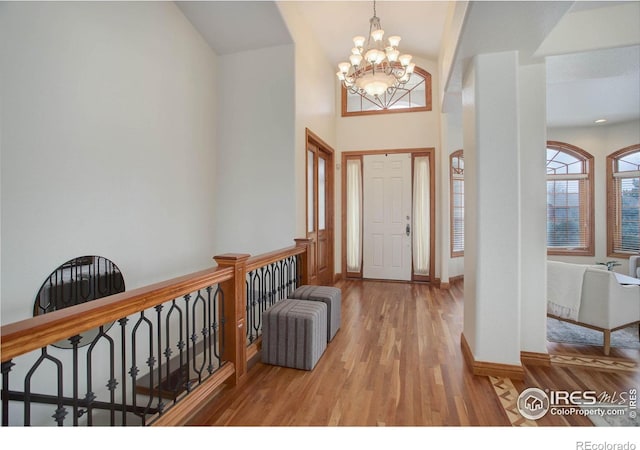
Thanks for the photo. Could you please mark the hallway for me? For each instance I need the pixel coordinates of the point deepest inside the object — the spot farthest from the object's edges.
(396, 361)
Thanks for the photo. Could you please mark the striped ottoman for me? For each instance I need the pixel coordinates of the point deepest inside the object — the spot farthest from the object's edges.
(294, 333)
(331, 296)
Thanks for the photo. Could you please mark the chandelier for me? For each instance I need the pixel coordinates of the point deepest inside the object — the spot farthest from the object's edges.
(376, 69)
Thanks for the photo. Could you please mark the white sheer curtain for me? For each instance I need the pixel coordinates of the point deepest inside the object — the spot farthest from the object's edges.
(354, 215)
(421, 216)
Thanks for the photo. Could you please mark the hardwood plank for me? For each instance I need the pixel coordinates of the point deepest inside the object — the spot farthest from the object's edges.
(397, 361)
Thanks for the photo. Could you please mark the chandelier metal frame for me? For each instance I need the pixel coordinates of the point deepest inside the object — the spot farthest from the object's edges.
(376, 69)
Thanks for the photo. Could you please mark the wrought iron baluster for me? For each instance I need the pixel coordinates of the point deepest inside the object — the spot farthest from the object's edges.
(60, 412)
(287, 276)
(123, 362)
(274, 284)
(187, 385)
(264, 273)
(75, 340)
(142, 413)
(257, 288)
(111, 382)
(249, 305)
(223, 320)
(210, 331)
(283, 277)
(292, 274)
(276, 281)
(184, 358)
(256, 291)
(90, 396)
(84, 292)
(199, 301)
(215, 325)
(174, 388)
(6, 369)
(161, 404)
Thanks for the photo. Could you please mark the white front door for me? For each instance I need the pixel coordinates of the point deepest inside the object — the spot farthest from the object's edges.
(387, 216)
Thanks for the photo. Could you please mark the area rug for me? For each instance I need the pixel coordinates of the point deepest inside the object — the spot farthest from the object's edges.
(568, 333)
(605, 420)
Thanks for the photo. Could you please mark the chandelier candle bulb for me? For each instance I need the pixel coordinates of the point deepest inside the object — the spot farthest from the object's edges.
(394, 41)
(358, 41)
(344, 67)
(377, 35)
(392, 55)
(371, 55)
(405, 60)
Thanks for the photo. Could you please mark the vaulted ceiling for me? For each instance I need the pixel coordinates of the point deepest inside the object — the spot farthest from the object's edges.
(592, 48)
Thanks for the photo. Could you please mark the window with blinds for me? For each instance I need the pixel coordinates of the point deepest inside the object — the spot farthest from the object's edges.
(623, 203)
(457, 203)
(569, 200)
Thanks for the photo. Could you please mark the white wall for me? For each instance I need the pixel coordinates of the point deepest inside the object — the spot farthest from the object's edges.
(314, 109)
(108, 142)
(255, 202)
(600, 141)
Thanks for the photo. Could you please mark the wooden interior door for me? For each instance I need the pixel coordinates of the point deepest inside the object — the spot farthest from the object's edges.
(320, 210)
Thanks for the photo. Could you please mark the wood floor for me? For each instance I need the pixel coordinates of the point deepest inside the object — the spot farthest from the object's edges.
(397, 361)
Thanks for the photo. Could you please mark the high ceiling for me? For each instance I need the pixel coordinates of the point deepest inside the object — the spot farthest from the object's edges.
(419, 23)
(589, 75)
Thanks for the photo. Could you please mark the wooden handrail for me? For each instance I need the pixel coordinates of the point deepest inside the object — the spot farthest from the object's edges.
(255, 262)
(37, 332)
(30, 334)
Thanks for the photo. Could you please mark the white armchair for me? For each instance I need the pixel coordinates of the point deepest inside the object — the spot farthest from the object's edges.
(634, 266)
(605, 304)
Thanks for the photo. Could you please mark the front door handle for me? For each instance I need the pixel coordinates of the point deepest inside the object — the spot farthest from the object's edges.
(408, 229)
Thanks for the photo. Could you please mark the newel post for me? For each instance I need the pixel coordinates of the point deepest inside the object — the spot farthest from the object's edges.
(235, 337)
(305, 261)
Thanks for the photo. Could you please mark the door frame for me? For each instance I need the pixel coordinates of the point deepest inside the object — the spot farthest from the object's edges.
(415, 152)
(313, 140)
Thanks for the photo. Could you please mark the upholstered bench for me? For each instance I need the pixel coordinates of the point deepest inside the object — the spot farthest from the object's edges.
(329, 295)
(294, 333)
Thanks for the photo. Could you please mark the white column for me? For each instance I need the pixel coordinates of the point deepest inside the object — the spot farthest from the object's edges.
(451, 140)
(533, 159)
(443, 213)
(492, 208)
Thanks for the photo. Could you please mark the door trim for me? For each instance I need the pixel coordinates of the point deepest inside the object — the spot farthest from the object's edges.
(312, 139)
(415, 152)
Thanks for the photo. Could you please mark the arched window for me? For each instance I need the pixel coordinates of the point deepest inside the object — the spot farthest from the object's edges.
(623, 204)
(415, 96)
(456, 168)
(570, 216)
